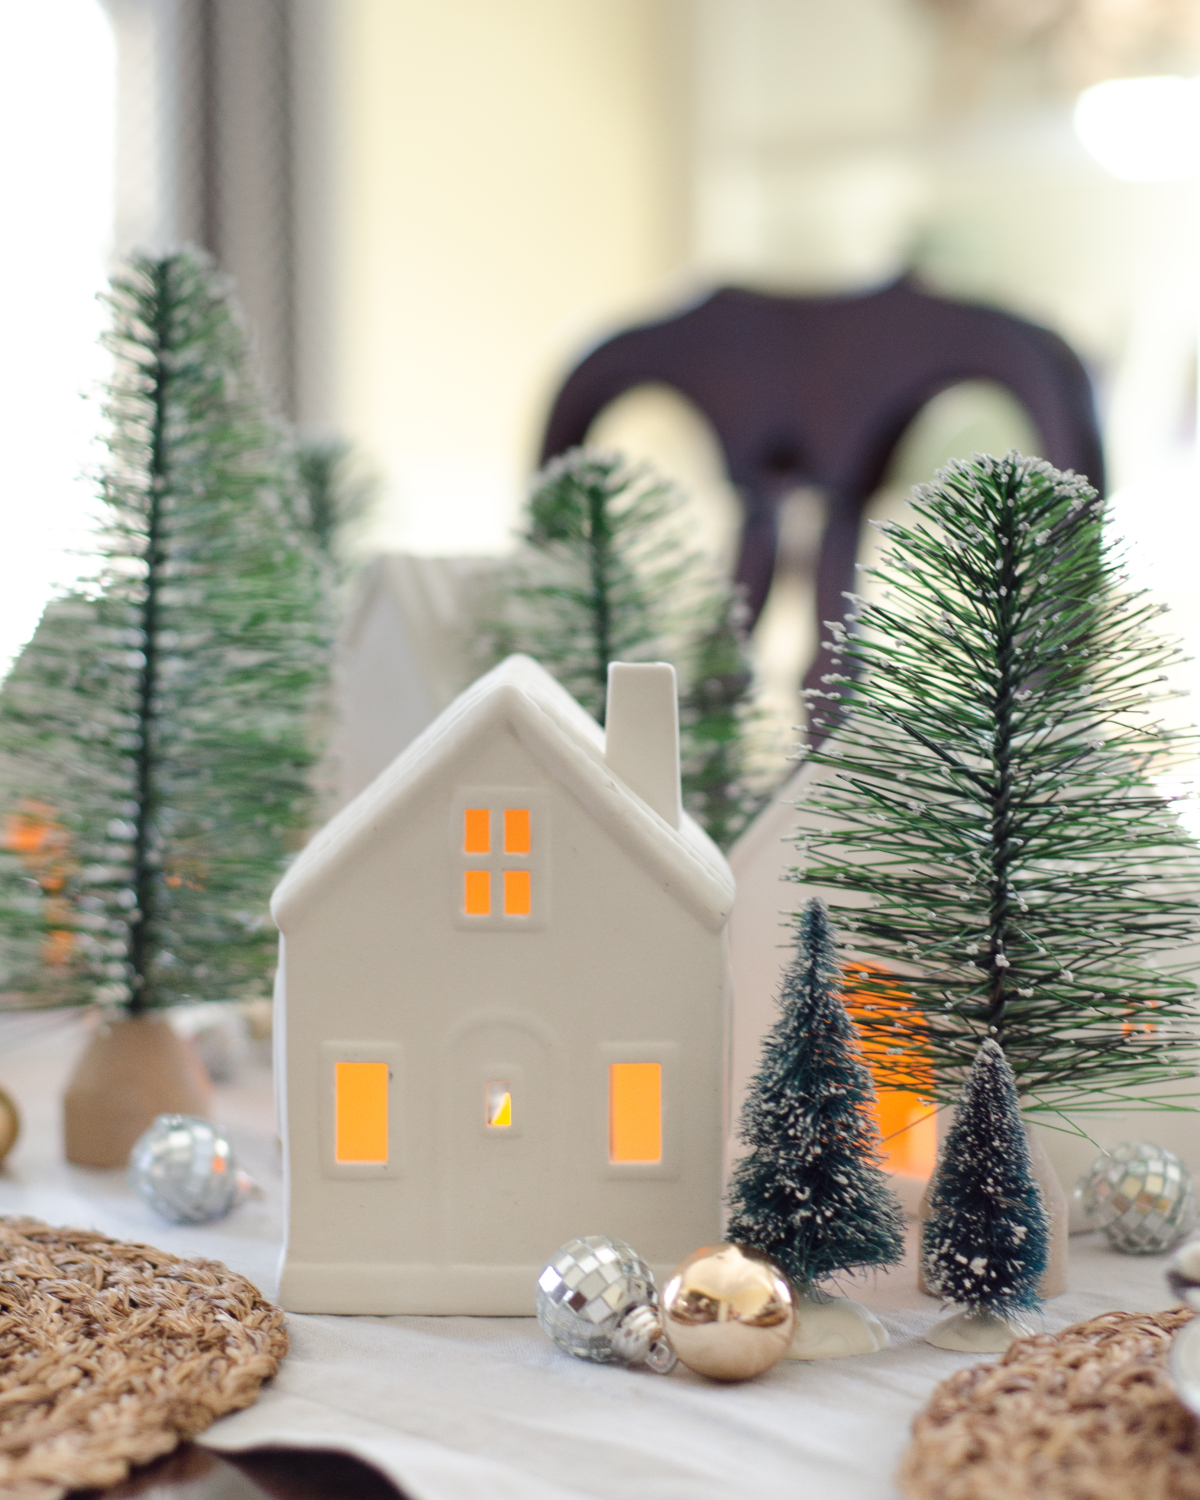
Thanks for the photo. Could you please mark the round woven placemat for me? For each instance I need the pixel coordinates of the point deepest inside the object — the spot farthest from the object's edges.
(1085, 1414)
(110, 1354)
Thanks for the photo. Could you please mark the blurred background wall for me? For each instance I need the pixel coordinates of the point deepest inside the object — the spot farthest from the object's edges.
(431, 210)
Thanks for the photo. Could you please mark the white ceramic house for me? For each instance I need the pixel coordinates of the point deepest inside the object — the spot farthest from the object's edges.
(501, 1007)
(403, 657)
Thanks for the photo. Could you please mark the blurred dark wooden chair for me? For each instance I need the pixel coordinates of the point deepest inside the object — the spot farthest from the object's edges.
(819, 391)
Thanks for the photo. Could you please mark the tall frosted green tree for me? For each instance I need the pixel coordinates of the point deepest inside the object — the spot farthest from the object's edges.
(985, 815)
(600, 576)
(604, 573)
(156, 731)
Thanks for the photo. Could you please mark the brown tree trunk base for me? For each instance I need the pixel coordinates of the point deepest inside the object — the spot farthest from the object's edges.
(133, 1069)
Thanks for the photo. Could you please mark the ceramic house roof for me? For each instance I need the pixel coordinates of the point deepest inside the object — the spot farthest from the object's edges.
(436, 599)
(569, 745)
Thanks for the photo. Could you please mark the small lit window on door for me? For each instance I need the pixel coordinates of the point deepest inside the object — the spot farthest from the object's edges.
(499, 1105)
(361, 1113)
(635, 1112)
(500, 883)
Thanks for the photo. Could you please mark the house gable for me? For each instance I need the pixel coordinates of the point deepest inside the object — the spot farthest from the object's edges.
(522, 697)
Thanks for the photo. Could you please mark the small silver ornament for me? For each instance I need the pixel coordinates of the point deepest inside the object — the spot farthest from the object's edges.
(185, 1169)
(597, 1300)
(1142, 1197)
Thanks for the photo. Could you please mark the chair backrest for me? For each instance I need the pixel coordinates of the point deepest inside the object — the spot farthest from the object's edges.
(819, 391)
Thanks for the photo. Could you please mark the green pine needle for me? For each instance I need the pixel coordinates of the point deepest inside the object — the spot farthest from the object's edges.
(986, 823)
(156, 731)
(604, 574)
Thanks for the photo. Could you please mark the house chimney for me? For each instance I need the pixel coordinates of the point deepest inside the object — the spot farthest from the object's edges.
(641, 742)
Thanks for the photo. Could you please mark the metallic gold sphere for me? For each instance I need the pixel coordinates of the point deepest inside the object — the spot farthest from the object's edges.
(728, 1312)
(10, 1125)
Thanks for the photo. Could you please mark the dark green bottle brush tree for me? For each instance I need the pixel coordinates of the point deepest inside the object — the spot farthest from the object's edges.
(985, 819)
(987, 1237)
(810, 1192)
(157, 730)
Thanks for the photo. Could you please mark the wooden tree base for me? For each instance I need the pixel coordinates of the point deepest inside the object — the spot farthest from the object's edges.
(133, 1068)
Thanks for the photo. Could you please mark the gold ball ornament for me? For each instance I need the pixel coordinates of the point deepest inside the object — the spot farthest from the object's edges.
(10, 1125)
(729, 1312)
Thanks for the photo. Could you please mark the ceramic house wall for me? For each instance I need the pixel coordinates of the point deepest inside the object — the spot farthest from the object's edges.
(608, 967)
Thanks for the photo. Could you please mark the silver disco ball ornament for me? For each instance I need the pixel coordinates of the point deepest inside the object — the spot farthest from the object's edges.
(1142, 1197)
(185, 1169)
(597, 1300)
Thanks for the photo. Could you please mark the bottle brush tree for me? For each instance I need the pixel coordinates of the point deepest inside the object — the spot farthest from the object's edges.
(985, 818)
(987, 1238)
(336, 494)
(156, 731)
(599, 575)
(722, 733)
(809, 1192)
(604, 574)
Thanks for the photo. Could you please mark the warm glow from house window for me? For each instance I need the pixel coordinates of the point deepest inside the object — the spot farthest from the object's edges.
(499, 1105)
(635, 1112)
(518, 900)
(516, 830)
(361, 1112)
(477, 893)
(477, 830)
(907, 1121)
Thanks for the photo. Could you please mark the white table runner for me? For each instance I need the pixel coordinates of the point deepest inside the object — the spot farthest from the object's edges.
(487, 1408)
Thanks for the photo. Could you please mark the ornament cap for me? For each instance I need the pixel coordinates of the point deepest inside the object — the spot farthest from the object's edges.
(638, 1340)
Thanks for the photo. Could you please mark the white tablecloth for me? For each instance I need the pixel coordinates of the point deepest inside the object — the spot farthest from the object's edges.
(487, 1408)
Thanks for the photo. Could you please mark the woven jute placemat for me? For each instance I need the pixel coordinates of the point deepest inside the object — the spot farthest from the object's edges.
(1085, 1414)
(110, 1354)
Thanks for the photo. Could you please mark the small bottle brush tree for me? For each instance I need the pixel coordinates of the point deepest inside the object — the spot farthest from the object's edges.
(983, 817)
(987, 1236)
(809, 1192)
(336, 494)
(156, 730)
(603, 574)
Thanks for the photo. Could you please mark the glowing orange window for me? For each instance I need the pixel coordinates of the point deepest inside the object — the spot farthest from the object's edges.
(361, 1112)
(477, 830)
(477, 893)
(516, 830)
(518, 896)
(635, 1112)
(907, 1121)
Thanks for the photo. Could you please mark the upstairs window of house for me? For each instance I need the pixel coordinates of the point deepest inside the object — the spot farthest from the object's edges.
(498, 878)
